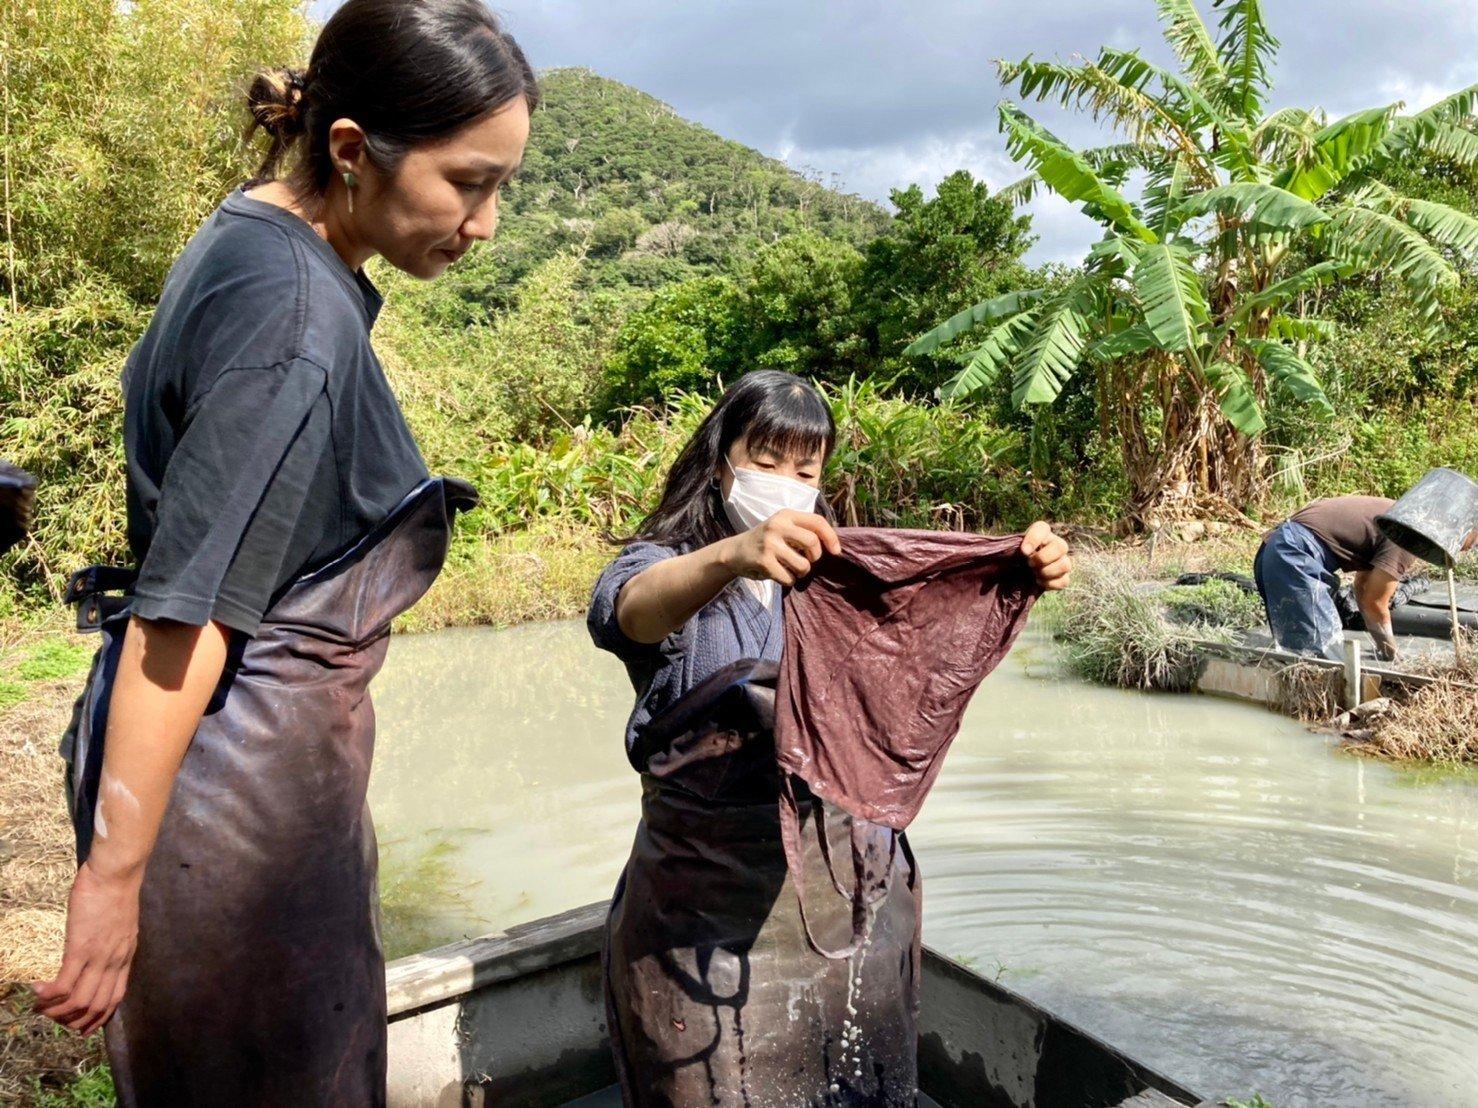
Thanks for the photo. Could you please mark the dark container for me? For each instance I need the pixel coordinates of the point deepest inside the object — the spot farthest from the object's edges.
(17, 496)
(1434, 518)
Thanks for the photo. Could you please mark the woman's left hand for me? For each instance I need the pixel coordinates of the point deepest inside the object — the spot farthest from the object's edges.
(1047, 554)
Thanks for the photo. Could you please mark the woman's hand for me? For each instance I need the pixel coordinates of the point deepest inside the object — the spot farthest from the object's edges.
(102, 934)
(1047, 554)
(783, 548)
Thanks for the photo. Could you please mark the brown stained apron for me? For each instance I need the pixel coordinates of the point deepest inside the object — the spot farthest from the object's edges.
(259, 978)
(714, 996)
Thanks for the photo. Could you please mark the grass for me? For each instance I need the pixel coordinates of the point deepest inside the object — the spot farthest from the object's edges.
(1216, 603)
(1114, 630)
(39, 1062)
(92, 1089)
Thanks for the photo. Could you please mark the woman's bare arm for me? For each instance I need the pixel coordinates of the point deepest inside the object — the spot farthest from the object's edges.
(166, 674)
(664, 596)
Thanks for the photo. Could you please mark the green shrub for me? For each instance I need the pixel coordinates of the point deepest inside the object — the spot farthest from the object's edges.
(1216, 603)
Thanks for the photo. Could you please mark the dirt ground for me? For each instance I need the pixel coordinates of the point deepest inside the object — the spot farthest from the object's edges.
(36, 866)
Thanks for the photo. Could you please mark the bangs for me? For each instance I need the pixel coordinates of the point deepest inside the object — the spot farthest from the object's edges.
(792, 422)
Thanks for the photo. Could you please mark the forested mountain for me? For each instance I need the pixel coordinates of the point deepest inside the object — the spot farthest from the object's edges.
(653, 197)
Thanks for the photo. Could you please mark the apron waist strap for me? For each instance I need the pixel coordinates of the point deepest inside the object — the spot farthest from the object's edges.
(87, 591)
(862, 897)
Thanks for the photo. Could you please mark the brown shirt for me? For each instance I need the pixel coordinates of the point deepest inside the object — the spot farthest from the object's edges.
(1346, 524)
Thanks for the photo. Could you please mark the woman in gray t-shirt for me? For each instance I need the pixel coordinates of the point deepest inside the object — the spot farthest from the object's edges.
(280, 515)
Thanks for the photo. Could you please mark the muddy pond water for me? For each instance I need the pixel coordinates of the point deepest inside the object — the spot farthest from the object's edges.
(1206, 885)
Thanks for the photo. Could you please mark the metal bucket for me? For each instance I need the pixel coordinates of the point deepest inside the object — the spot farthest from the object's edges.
(1434, 518)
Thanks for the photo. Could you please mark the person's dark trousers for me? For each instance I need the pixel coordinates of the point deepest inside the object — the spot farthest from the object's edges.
(1297, 577)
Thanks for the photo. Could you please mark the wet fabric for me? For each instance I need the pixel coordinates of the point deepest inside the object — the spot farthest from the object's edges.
(1346, 525)
(735, 624)
(1297, 577)
(259, 976)
(713, 994)
(884, 646)
(255, 390)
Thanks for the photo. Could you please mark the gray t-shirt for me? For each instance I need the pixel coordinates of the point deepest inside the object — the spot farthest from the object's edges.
(261, 435)
(735, 624)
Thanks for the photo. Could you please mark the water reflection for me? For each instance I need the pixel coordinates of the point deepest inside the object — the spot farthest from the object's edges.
(1202, 883)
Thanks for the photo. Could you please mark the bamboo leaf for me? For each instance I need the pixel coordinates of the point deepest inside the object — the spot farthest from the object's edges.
(1170, 290)
(987, 311)
(1235, 396)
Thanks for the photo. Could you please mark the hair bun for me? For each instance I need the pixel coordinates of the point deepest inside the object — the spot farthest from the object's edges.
(275, 100)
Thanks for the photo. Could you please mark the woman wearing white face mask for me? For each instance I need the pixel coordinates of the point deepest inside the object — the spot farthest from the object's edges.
(714, 995)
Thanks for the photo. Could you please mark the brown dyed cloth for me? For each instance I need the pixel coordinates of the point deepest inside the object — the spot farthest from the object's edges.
(1346, 525)
(884, 647)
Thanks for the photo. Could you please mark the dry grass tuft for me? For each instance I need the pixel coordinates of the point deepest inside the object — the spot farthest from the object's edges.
(1435, 724)
(1308, 692)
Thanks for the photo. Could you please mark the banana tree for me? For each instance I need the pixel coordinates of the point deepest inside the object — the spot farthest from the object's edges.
(1193, 308)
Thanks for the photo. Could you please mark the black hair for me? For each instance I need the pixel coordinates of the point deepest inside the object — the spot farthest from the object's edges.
(770, 410)
(406, 71)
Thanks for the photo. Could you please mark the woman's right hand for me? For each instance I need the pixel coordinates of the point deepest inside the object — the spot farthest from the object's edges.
(783, 548)
(102, 934)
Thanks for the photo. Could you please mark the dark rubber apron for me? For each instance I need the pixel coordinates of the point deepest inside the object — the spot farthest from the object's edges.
(714, 995)
(259, 978)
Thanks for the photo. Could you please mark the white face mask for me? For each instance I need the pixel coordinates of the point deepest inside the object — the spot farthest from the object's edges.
(756, 496)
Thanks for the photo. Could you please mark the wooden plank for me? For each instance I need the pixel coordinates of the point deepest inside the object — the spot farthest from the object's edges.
(443, 974)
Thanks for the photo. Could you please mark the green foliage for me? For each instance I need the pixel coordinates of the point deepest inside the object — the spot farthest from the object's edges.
(121, 131)
(686, 339)
(509, 375)
(92, 1089)
(1240, 213)
(1216, 603)
(54, 659)
(940, 255)
(796, 313)
(901, 464)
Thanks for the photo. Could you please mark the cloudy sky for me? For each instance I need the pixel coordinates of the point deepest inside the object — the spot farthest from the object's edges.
(882, 95)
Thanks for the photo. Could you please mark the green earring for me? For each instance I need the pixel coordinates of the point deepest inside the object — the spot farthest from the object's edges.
(350, 180)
